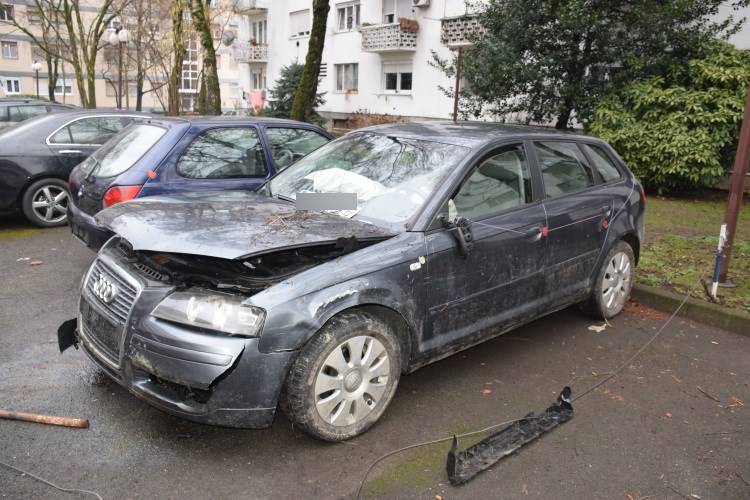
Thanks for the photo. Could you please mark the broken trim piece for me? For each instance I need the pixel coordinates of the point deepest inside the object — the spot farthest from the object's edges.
(462, 466)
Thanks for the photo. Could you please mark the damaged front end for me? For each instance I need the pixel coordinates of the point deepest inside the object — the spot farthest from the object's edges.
(181, 332)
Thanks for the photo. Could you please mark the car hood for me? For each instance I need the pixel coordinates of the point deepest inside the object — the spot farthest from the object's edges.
(229, 225)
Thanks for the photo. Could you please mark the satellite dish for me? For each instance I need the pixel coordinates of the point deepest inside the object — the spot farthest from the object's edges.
(228, 38)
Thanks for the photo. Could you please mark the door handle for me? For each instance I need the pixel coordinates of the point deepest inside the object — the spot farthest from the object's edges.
(70, 151)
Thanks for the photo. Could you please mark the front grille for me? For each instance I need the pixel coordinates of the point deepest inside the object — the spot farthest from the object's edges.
(121, 304)
(105, 340)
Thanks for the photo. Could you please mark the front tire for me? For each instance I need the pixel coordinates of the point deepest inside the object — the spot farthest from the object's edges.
(344, 378)
(613, 283)
(45, 203)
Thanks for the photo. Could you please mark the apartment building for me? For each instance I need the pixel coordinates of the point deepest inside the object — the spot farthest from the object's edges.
(18, 53)
(376, 55)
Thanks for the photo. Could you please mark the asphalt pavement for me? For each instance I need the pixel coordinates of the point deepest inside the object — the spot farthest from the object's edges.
(674, 424)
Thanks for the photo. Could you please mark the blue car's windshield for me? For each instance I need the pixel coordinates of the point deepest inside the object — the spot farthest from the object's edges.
(392, 177)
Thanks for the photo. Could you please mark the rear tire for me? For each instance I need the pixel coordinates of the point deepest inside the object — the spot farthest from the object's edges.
(613, 284)
(344, 378)
(45, 202)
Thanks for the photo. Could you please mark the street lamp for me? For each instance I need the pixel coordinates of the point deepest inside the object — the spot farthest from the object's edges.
(37, 66)
(119, 38)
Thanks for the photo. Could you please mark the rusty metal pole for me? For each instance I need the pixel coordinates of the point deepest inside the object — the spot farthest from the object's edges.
(458, 83)
(736, 187)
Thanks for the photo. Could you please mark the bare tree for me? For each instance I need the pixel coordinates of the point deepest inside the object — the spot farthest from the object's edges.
(209, 97)
(307, 92)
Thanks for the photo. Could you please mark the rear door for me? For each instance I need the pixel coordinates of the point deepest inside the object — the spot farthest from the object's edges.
(499, 281)
(577, 209)
(222, 158)
(78, 139)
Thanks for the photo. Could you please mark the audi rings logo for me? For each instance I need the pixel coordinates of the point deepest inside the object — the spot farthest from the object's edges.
(104, 289)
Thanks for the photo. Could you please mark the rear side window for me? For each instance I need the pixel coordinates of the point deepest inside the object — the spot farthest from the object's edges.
(564, 168)
(499, 183)
(123, 151)
(290, 144)
(92, 130)
(224, 153)
(602, 163)
(20, 113)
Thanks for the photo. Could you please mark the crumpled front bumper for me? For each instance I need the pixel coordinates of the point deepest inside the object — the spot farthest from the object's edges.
(198, 376)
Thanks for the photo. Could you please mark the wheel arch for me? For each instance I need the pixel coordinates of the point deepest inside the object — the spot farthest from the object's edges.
(632, 239)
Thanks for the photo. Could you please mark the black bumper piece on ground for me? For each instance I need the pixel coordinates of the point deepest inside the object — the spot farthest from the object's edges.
(462, 466)
(66, 334)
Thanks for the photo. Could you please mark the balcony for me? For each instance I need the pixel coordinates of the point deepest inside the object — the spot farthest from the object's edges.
(395, 37)
(249, 53)
(251, 7)
(461, 30)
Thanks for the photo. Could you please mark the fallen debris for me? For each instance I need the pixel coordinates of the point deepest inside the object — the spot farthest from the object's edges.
(735, 402)
(462, 466)
(36, 262)
(707, 394)
(598, 328)
(45, 419)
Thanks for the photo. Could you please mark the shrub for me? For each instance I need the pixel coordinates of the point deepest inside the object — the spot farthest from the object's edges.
(679, 131)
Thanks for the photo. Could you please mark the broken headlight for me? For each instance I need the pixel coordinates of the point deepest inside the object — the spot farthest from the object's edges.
(211, 310)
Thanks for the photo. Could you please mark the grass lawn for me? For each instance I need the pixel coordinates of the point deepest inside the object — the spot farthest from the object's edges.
(681, 239)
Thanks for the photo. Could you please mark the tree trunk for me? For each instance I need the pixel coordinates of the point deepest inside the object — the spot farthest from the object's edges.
(52, 73)
(173, 87)
(304, 98)
(563, 118)
(210, 88)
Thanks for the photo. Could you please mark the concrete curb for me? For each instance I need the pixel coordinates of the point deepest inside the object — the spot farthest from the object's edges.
(698, 310)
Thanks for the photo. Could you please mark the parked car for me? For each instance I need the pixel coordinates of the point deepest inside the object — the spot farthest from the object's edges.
(176, 155)
(37, 155)
(216, 307)
(14, 110)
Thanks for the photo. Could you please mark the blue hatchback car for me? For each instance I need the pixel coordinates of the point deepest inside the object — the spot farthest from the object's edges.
(173, 155)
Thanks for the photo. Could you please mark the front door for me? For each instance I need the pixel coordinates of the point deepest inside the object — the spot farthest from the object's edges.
(498, 280)
(578, 212)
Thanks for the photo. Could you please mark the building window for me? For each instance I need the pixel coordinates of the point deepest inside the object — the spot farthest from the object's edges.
(259, 30)
(397, 78)
(189, 81)
(6, 12)
(11, 86)
(348, 16)
(347, 76)
(10, 50)
(63, 87)
(299, 23)
(323, 70)
(34, 15)
(258, 77)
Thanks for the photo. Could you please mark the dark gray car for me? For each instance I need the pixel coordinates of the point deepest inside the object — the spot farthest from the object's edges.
(218, 307)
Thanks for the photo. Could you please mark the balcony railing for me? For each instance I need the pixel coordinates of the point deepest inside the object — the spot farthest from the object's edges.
(388, 38)
(249, 53)
(460, 31)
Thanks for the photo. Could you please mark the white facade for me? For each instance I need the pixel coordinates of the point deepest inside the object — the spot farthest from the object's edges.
(392, 74)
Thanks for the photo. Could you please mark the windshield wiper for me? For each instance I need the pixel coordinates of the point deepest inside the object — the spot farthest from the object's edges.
(280, 196)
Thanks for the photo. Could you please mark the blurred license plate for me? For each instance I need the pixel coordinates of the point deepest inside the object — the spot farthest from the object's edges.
(104, 331)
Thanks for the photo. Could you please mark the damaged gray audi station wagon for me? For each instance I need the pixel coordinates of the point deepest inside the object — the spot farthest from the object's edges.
(219, 307)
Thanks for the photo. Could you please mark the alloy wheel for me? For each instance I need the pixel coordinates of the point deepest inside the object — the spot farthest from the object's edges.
(50, 203)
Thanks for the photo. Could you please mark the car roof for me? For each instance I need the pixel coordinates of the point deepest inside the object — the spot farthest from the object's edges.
(214, 120)
(465, 133)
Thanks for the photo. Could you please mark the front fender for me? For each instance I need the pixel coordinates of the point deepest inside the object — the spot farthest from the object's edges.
(291, 324)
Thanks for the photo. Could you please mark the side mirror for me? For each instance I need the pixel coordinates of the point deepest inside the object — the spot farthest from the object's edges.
(461, 229)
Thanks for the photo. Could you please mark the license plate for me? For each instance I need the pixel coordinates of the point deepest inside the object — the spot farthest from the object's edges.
(104, 331)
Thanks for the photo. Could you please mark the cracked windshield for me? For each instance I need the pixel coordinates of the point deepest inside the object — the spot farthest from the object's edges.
(391, 176)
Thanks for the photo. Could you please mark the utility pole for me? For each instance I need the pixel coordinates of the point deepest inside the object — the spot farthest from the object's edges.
(736, 188)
